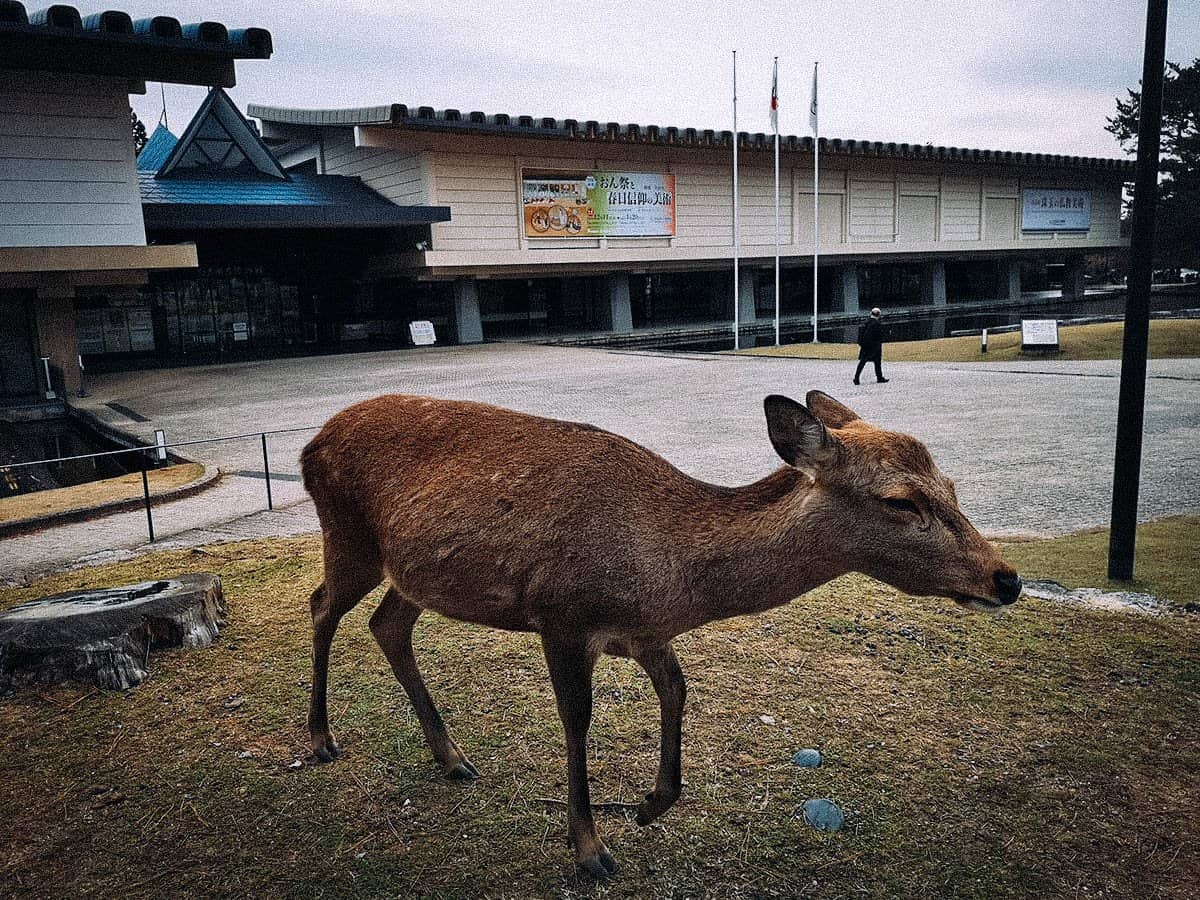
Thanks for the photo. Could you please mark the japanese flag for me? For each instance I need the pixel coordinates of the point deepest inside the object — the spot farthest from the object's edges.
(775, 96)
(812, 107)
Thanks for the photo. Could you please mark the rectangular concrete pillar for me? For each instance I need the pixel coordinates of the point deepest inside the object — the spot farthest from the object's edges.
(58, 336)
(1011, 270)
(1072, 285)
(845, 289)
(468, 326)
(933, 283)
(747, 308)
(615, 309)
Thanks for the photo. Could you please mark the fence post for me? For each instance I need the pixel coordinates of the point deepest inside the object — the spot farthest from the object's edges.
(146, 495)
(266, 469)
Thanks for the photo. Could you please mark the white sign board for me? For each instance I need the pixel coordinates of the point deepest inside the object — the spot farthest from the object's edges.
(1050, 209)
(422, 333)
(1039, 333)
(241, 331)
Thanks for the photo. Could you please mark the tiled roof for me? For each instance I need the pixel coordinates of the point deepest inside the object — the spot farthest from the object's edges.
(426, 118)
(300, 190)
(120, 29)
(207, 201)
(157, 149)
(158, 48)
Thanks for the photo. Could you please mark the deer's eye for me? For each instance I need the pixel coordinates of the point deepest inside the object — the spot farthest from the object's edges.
(901, 505)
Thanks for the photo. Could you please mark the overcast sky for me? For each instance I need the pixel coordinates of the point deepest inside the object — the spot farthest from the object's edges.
(1003, 75)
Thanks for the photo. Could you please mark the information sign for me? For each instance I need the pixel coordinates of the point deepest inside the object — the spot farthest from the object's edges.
(422, 333)
(1039, 334)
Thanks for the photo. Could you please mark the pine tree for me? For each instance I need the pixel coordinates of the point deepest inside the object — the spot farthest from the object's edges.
(1178, 220)
(139, 132)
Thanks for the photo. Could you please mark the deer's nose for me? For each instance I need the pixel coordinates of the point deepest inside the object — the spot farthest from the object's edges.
(1008, 586)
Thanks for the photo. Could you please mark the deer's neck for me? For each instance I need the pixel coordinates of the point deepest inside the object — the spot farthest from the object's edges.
(763, 545)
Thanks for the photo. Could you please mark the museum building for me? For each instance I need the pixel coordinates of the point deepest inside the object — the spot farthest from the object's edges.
(576, 226)
(71, 221)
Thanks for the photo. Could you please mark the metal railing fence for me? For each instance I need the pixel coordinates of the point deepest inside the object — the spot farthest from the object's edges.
(149, 454)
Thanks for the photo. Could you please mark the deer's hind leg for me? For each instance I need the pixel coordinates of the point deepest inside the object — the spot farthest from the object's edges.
(351, 570)
(392, 626)
(665, 674)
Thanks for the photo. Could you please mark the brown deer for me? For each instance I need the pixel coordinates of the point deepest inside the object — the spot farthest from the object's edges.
(600, 546)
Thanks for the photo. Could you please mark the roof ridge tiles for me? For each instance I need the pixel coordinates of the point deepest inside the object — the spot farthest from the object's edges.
(425, 117)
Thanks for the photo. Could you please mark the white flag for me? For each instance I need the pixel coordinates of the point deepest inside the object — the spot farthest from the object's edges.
(812, 107)
(775, 97)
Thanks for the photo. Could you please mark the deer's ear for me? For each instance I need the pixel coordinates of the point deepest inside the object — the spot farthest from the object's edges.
(831, 413)
(797, 435)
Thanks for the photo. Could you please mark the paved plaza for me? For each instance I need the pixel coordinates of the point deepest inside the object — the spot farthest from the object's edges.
(1030, 443)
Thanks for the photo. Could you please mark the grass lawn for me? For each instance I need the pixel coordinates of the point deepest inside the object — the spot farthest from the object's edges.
(1169, 339)
(95, 493)
(1047, 751)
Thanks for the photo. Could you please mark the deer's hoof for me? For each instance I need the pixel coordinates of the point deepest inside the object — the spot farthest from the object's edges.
(600, 865)
(462, 771)
(652, 807)
(326, 750)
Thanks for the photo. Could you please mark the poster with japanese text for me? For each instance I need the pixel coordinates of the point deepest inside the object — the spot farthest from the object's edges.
(599, 204)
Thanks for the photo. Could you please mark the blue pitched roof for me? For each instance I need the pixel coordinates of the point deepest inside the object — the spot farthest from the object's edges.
(210, 201)
(157, 149)
(301, 190)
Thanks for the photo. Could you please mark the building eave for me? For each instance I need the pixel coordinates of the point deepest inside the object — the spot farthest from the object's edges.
(425, 118)
(97, 259)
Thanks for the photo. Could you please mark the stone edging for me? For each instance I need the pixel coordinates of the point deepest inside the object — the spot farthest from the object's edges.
(207, 479)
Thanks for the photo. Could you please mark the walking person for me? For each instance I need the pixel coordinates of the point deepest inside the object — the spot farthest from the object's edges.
(870, 346)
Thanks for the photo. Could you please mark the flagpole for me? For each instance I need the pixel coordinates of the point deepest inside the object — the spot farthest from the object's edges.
(816, 196)
(736, 293)
(775, 116)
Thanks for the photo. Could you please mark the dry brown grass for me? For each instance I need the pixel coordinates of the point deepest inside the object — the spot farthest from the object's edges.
(1169, 339)
(1045, 752)
(96, 493)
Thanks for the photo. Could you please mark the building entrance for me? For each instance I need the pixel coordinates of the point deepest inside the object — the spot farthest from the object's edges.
(18, 362)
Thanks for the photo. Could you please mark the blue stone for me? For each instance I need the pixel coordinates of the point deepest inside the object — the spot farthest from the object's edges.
(823, 815)
(807, 758)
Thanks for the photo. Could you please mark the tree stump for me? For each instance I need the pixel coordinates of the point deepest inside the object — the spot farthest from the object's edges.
(105, 636)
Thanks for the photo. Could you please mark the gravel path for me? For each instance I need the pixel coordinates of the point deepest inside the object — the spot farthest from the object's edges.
(1030, 443)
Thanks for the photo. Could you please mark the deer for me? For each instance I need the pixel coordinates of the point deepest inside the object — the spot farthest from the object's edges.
(600, 546)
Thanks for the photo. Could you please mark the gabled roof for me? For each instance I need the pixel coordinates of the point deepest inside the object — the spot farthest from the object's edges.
(157, 149)
(219, 139)
(220, 175)
(426, 118)
(158, 48)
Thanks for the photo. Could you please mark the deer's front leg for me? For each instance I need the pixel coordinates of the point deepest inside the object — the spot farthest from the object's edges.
(667, 677)
(571, 667)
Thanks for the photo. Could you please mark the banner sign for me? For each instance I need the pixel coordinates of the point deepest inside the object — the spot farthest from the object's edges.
(600, 204)
(1045, 209)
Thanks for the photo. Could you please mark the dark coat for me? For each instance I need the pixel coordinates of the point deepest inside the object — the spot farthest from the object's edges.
(870, 340)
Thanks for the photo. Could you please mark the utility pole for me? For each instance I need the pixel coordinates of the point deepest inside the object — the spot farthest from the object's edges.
(1132, 404)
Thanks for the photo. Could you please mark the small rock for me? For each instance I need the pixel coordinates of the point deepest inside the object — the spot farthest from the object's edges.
(807, 758)
(296, 764)
(234, 702)
(823, 815)
(767, 720)
(245, 754)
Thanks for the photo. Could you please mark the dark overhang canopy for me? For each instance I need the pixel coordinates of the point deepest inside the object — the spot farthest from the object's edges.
(225, 216)
(159, 48)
